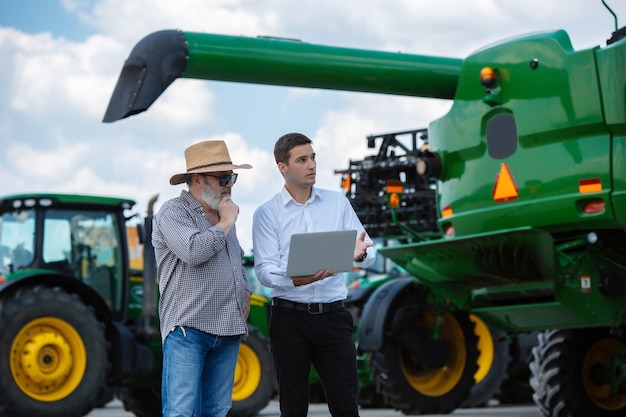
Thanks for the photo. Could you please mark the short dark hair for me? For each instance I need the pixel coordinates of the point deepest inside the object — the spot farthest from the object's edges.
(285, 143)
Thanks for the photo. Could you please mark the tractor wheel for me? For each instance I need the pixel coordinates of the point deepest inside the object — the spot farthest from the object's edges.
(369, 397)
(571, 373)
(516, 388)
(142, 402)
(420, 388)
(493, 362)
(56, 357)
(255, 383)
(107, 395)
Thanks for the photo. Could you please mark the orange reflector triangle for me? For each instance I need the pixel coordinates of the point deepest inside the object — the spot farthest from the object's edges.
(505, 188)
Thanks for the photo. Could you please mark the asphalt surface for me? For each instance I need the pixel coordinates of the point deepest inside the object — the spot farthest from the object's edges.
(115, 409)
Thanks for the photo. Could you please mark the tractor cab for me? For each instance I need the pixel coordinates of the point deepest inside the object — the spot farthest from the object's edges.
(75, 237)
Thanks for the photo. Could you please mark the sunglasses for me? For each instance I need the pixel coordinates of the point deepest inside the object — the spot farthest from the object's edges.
(224, 179)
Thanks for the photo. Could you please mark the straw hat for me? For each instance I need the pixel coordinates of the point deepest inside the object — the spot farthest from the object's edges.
(208, 156)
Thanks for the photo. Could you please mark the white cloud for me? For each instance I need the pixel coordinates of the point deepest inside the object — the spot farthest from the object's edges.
(213, 16)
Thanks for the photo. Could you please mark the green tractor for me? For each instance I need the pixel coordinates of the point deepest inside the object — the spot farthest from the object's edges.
(78, 323)
(530, 184)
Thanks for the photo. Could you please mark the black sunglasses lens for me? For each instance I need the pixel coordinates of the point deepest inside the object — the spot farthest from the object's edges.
(228, 177)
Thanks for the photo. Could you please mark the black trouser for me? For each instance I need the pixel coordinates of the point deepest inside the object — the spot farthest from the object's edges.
(299, 339)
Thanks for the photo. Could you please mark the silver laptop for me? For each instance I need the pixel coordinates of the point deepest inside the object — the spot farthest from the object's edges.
(311, 252)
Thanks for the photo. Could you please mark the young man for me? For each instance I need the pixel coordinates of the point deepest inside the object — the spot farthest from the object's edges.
(308, 323)
(205, 296)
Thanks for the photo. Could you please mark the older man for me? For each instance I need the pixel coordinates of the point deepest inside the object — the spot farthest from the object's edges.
(205, 295)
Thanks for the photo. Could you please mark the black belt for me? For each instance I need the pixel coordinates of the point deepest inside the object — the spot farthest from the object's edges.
(311, 308)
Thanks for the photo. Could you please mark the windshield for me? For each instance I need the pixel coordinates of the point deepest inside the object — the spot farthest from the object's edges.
(86, 245)
(17, 240)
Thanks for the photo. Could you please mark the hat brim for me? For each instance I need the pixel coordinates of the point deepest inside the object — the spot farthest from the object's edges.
(181, 178)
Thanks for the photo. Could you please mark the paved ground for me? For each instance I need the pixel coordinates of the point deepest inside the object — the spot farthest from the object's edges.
(115, 409)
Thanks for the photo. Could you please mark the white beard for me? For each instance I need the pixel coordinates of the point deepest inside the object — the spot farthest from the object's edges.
(211, 197)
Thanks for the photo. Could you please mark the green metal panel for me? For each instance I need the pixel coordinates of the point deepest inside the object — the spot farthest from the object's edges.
(561, 134)
(259, 312)
(538, 316)
(454, 268)
(497, 275)
(611, 62)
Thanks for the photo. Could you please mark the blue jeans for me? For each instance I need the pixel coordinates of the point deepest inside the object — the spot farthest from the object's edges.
(198, 373)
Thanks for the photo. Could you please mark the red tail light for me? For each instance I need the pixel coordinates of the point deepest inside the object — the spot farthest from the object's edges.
(594, 207)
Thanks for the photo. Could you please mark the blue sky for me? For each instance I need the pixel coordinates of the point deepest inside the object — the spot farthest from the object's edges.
(61, 59)
(33, 16)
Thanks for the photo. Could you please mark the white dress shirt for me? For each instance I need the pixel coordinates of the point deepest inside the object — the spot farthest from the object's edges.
(276, 220)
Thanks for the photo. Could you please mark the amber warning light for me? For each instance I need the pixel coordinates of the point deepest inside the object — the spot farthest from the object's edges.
(394, 200)
(488, 77)
(346, 182)
(394, 190)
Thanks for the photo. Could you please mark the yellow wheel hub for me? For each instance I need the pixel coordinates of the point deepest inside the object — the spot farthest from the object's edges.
(440, 381)
(601, 356)
(247, 373)
(48, 359)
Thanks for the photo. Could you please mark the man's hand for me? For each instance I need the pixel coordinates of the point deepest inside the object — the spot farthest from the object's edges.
(228, 212)
(308, 279)
(227, 209)
(360, 248)
(246, 305)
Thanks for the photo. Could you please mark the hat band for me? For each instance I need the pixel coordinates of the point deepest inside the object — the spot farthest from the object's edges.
(210, 165)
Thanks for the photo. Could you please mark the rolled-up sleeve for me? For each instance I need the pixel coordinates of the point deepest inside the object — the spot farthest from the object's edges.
(184, 237)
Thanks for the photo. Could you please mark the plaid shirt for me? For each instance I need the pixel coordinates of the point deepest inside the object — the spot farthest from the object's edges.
(202, 281)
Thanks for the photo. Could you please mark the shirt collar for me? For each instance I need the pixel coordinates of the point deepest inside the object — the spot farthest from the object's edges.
(190, 200)
(286, 197)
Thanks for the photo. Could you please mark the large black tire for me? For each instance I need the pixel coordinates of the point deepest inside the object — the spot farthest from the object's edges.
(493, 363)
(141, 401)
(419, 388)
(107, 395)
(369, 397)
(255, 380)
(57, 361)
(516, 388)
(567, 369)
